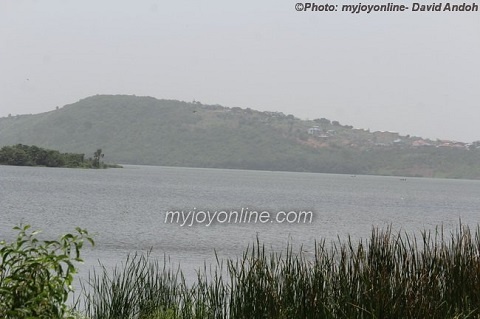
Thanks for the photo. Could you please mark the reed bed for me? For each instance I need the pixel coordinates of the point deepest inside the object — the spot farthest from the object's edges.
(387, 276)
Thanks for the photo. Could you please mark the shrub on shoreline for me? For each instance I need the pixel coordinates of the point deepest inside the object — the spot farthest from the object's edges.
(36, 275)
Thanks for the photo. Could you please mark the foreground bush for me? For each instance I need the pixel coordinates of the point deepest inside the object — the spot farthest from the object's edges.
(388, 276)
(36, 276)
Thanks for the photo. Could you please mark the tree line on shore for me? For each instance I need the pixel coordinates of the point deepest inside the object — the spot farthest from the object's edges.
(25, 155)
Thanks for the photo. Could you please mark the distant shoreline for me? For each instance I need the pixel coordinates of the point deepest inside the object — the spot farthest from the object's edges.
(34, 156)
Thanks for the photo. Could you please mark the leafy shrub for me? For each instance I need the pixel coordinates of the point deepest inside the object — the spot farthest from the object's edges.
(36, 275)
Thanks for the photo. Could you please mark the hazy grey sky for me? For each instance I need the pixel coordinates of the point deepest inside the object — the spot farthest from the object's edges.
(414, 73)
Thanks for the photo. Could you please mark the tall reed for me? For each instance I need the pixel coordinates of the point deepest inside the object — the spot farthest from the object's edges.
(388, 276)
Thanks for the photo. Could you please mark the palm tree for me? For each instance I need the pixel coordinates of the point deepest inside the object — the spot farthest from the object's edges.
(96, 158)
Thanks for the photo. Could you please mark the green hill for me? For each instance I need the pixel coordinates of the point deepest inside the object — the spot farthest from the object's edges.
(145, 130)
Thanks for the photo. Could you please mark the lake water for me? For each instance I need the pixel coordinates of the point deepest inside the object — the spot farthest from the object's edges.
(125, 208)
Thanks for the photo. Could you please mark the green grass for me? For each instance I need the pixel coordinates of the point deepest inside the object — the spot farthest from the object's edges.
(387, 276)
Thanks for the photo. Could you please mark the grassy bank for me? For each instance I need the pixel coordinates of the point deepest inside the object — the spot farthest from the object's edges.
(433, 275)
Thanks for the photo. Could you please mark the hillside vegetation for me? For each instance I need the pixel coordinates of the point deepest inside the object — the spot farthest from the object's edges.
(145, 130)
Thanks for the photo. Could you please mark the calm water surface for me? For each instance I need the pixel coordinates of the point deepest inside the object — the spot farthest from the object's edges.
(125, 208)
